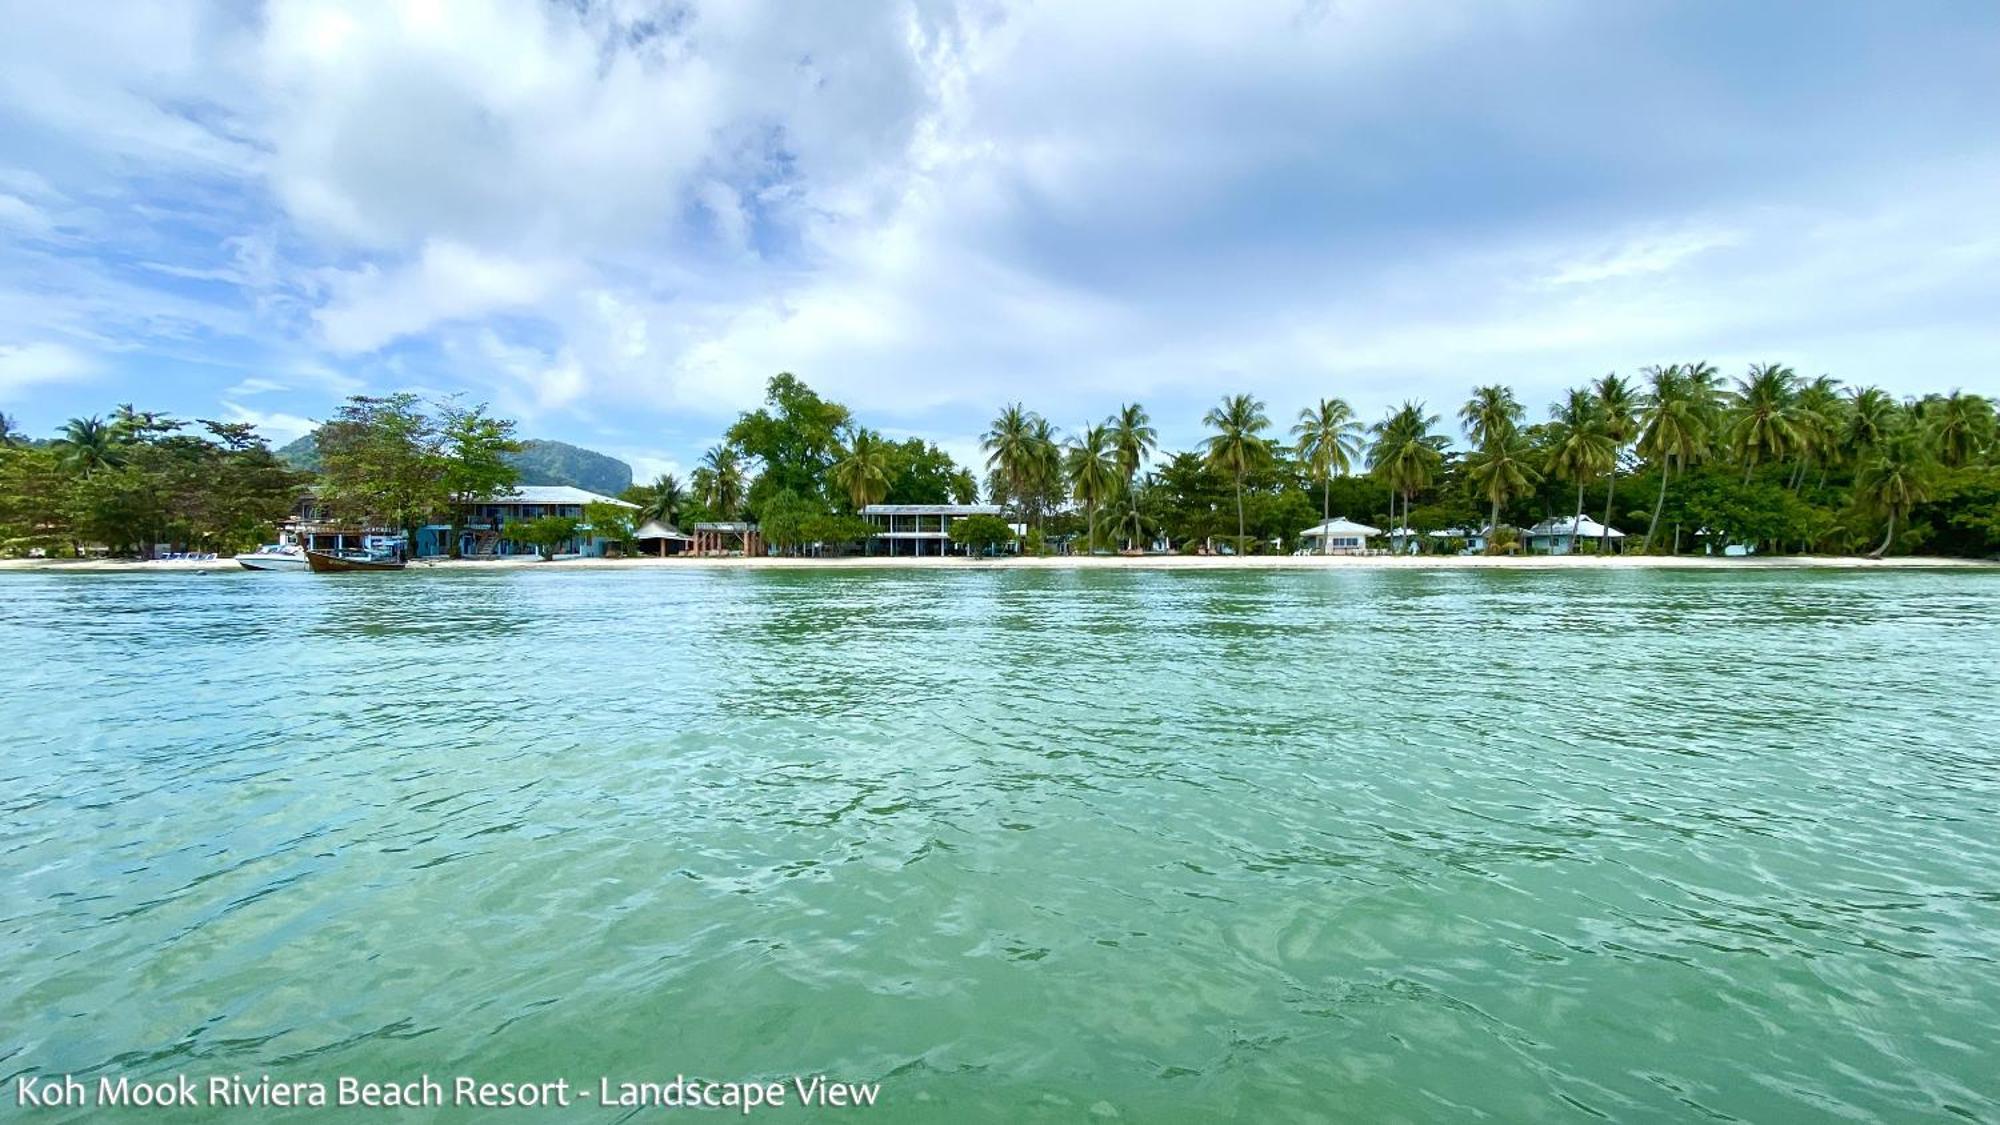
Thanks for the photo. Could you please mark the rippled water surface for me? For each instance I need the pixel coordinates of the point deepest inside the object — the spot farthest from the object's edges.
(1021, 845)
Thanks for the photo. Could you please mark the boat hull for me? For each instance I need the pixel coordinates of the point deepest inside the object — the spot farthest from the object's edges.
(273, 562)
(322, 562)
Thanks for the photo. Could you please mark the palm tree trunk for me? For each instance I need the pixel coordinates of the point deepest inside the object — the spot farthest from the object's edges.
(1325, 514)
(1239, 514)
(1090, 522)
(1610, 489)
(1576, 525)
(1646, 548)
(1886, 539)
(1493, 529)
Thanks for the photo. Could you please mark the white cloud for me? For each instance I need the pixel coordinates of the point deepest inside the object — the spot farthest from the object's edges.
(277, 428)
(368, 307)
(24, 365)
(641, 211)
(256, 386)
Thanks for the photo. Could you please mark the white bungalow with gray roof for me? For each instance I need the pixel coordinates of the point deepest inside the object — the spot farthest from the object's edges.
(1562, 536)
(1338, 536)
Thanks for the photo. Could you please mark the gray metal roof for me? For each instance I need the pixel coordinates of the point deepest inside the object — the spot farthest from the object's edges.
(931, 510)
(556, 494)
(1339, 525)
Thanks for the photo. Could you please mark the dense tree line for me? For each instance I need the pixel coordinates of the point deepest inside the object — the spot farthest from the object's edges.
(1769, 460)
(802, 469)
(142, 480)
(1679, 458)
(138, 480)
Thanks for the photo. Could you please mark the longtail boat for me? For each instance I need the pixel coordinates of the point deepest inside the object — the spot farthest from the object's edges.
(331, 562)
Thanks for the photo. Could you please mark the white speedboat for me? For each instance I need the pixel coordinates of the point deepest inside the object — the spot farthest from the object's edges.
(274, 556)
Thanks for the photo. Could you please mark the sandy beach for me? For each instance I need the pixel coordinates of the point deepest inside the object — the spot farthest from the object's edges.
(1097, 562)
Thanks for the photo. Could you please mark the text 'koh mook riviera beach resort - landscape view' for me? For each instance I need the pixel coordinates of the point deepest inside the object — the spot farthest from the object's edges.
(986, 561)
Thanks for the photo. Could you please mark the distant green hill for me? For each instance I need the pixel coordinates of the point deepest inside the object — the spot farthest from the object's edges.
(542, 462)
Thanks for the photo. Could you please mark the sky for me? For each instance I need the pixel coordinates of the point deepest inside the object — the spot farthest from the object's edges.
(615, 220)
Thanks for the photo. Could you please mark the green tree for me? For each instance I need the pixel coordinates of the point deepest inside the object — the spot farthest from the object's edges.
(1674, 427)
(546, 535)
(921, 473)
(662, 500)
(786, 520)
(1405, 454)
(1581, 448)
(794, 437)
(1329, 441)
(34, 499)
(721, 481)
(476, 469)
(381, 462)
(1237, 444)
(1133, 439)
(1500, 470)
(1025, 459)
(1870, 417)
(1763, 425)
(861, 468)
(1498, 466)
(1895, 478)
(1092, 469)
(609, 522)
(981, 531)
(88, 445)
(1492, 413)
(1618, 405)
(1960, 428)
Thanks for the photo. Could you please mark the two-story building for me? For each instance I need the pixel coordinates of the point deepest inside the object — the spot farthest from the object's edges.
(483, 534)
(919, 529)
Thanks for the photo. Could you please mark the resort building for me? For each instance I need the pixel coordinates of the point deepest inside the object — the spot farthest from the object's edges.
(727, 537)
(1561, 536)
(919, 529)
(1338, 536)
(662, 539)
(481, 536)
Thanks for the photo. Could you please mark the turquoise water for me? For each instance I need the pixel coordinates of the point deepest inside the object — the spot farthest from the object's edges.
(1387, 846)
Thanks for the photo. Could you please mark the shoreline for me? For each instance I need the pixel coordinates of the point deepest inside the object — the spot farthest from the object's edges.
(1086, 562)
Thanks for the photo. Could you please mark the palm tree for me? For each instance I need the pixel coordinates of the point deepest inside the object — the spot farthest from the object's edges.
(1871, 415)
(1765, 425)
(1618, 404)
(1490, 414)
(1674, 425)
(724, 479)
(663, 501)
(1093, 472)
(1238, 444)
(1132, 439)
(1405, 454)
(88, 444)
(1894, 479)
(1329, 441)
(1500, 471)
(1129, 516)
(9, 435)
(861, 468)
(1045, 463)
(1818, 419)
(1960, 426)
(1492, 418)
(1010, 451)
(1582, 447)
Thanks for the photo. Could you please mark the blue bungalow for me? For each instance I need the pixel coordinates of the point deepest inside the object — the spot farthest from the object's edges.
(480, 536)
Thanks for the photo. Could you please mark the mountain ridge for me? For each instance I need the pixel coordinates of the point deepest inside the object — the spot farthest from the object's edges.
(541, 461)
